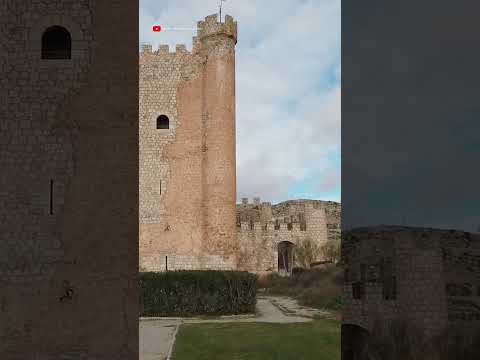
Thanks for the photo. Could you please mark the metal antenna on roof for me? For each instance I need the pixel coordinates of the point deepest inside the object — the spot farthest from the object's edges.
(220, 8)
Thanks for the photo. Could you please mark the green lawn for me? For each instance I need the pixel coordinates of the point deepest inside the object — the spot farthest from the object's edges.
(319, 340)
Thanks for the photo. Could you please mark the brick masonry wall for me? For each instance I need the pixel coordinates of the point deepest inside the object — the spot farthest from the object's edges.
(73, 122)
(191, 221)
(436, 271)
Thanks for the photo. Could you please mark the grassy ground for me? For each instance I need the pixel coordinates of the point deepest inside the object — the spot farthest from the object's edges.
(319, 340)
(319, 288)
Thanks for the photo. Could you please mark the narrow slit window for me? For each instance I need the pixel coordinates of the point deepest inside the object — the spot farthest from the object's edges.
(163, 122)
(51, 197)
(160, 187)
(363, 272)
(394, 288)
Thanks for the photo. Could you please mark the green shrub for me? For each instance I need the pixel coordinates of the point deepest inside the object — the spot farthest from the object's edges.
(190, 293)
(335, 304)
(298, 271)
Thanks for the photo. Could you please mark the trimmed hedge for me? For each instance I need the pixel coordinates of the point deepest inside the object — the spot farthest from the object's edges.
(200, 292)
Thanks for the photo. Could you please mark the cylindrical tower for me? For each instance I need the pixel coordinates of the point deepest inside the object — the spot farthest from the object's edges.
(316, 222)
(217, 41)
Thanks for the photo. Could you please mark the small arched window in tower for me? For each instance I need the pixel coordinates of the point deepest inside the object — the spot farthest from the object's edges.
(56, 43)
(163, 122)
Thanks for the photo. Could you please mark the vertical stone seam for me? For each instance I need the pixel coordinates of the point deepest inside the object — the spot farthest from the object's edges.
(205, 231)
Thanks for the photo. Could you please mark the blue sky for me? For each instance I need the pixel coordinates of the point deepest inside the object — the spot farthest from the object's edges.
(287, 89)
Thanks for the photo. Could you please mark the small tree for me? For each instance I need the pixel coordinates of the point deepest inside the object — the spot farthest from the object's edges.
(306, 252)
(331, 251)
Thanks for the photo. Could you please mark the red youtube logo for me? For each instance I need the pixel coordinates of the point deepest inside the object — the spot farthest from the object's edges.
(157, 28)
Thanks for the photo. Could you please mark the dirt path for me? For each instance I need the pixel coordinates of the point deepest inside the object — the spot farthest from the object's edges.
(290, 306)
(266, 311)
(156, 338)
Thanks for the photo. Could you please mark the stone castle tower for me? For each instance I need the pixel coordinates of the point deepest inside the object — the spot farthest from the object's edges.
(187, 177)
(68, 179)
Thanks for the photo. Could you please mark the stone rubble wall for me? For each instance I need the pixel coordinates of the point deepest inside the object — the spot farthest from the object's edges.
(36, 144)
(437, 275)
(297, 220)
(72, 121)
(159, 262)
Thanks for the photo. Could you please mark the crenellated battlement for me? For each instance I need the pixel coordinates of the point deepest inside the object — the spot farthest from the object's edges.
(256, 201)
(211, 26)
(253, 226)
(164, 49)
(195, 44)
(208, 27)
(269, 226)
(146, 48)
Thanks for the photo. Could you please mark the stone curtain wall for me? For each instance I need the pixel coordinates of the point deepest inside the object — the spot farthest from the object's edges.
(69, 125)
(187, 172)
(436, 275)
(259, 246)
(461, 261)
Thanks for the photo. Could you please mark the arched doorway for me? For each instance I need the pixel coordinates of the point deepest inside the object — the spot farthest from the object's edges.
(286, 257)
(354, 342)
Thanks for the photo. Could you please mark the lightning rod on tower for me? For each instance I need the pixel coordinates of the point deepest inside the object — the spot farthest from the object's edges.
(220, 8)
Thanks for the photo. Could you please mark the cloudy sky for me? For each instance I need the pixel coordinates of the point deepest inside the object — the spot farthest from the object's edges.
(410, 127)
(288, 89)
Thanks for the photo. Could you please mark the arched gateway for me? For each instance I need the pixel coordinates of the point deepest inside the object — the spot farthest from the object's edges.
(286, 257)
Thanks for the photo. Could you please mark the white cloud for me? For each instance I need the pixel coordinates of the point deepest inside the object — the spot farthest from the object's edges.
(288, 86)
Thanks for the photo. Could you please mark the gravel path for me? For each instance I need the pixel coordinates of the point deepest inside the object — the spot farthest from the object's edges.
(157, 334)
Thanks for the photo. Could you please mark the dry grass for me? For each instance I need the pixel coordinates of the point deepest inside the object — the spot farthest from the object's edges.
(401, 340)
(319, 288)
